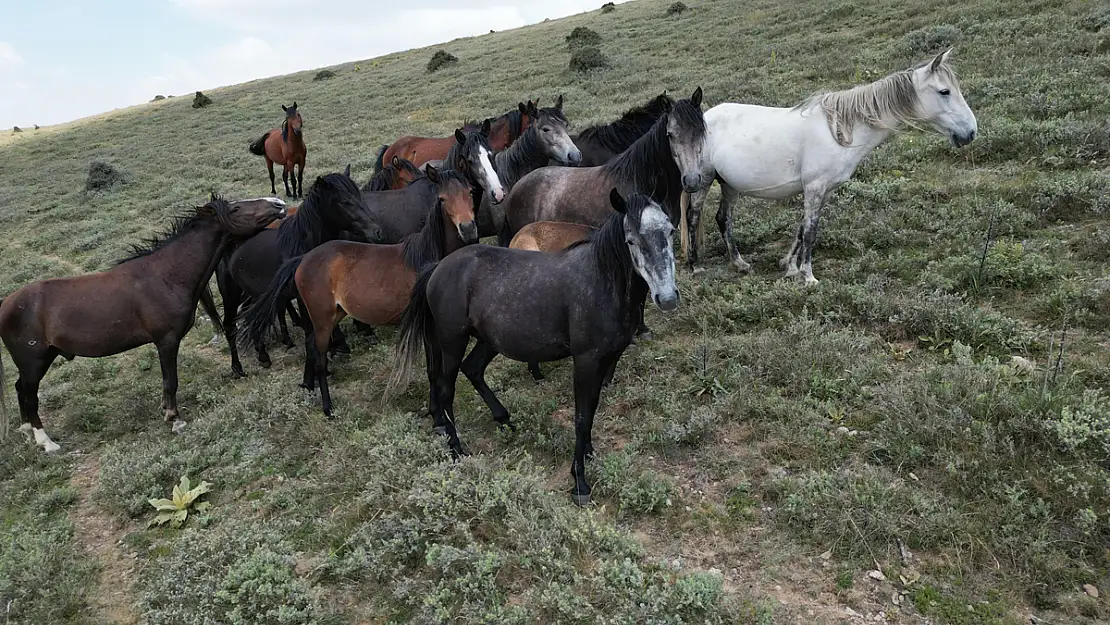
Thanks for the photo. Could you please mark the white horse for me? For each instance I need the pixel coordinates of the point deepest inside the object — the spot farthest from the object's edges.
(776, 153)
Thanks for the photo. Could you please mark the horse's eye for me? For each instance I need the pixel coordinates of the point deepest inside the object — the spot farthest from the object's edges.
(547, 129)
(945, 92)
(630, 242)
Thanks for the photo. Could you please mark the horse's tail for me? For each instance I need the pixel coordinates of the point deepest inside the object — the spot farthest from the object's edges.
(259, 147)
(4, 423)
(378, 164)
(260, 317)
(209, 304)
(417, 329)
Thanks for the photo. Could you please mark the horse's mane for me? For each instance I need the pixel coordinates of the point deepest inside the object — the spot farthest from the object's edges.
(383, 180)
(610, 248)
(285, 130)
(513, 117)
(179, 224)
(619, 135)
(427, 246)
(305, 230)
(886, 103)
(524, 153)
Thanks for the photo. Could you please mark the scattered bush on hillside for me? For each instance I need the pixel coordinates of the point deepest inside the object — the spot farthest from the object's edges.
(676, 8)
(608, 7)
(158, 97)
(102, 176)
(1097, 19)
(931, 40)
(441, 59)
(200, 100)
(323, 74)
(16, 129)
(36, 126)
(582, 37)
(587, 58)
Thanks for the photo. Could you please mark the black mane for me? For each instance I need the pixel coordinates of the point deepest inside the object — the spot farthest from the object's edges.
(619, 135)
(427, 246)
(610, 251)
(313, 223)
(514, 117)
(179, 225)
(523, 156)
(382, 180)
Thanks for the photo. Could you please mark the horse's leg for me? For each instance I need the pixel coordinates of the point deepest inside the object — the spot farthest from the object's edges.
(232, 295)
(643, 333)
(270, 168)
(474, 368)
(693, 220)
(451, 355)
(534, 369)
(729, 196)
(587, 393)
(814, 201)
(285, 179)
(339, 341)
(308, 381)
(283, 330)
(27, 391)
(321, 341)
(167, 357)
(433, 358)
(300, 179)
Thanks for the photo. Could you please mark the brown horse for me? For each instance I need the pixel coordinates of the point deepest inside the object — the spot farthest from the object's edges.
(503, 131)
(549, 236)
(150, 297)
(371, 283)
(285, 146)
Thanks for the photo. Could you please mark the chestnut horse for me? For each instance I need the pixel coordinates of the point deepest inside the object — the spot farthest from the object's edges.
(503, 131)
(371, 283)
(150, 297)
(286, 147)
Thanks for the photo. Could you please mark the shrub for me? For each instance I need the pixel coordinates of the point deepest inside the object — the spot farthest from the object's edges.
(16, 129)
(608, 7)
(931, 40)
(200, 100)
(1007, 265)
(582, 37)
(102, 176)
(158, 97)
(637, 492)
(1087, 425)
(323, 74)
(43, 574)
(441, 59)
(676, 8)
(587, 58)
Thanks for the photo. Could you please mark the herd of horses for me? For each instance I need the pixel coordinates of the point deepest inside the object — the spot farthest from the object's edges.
(584, 226)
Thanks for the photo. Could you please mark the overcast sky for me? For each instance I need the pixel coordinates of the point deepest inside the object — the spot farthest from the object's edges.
(65, 59)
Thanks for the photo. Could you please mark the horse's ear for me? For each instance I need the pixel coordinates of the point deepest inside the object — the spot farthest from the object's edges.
(617, 200)
(396, 162)
(284, 108)
(207, 210)
(522, 108)
(212, 196)
(294, 105)
(696, 98)
(347, 172)
(433, 173)
(559, 102)
(485, 127)
(939, 60)
(459, 136)
(532, 110)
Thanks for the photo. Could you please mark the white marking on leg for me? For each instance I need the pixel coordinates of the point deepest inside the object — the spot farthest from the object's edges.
(41, 438)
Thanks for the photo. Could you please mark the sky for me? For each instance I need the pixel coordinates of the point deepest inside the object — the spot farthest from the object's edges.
(61, 60)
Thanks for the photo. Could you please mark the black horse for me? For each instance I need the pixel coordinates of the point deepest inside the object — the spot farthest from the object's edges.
(582, 302)
(601, 144)
(333, 209)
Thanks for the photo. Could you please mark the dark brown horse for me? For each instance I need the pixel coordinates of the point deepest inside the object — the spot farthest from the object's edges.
(535, 307)
(504, 130)
(371, 283)
(601, 144)
(285, 146)
(150, 297)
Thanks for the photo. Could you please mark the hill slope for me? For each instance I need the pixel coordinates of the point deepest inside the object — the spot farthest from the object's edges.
(771, 447)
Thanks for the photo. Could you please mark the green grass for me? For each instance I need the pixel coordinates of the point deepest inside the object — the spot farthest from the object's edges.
(878, 417)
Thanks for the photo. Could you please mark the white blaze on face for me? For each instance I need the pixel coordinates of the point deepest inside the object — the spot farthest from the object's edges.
(489, 176)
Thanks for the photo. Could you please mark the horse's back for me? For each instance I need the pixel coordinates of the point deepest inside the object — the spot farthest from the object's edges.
(759, 150)
(558, 194)
(549, 236)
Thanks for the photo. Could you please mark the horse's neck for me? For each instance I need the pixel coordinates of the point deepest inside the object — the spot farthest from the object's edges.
(451, 240)
(648, 167)
(525, 155)
(189, 260)
(866, 138)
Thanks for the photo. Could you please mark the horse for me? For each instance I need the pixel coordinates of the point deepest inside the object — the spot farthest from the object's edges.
(333, 208)
(602, 143)
(150, 297)
(581, 303)
(814, 147)
(472, 154)
(371, 283)
(548, 236)
(545, 140)
(504, 131)
(290, 151)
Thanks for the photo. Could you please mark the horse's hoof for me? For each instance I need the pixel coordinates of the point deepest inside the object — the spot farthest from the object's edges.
(265, 364)
(643, 336)
(216, 339)
(440, 430)
(238, 373)
(178, 426)
(811, 281)
(581, 500)
(741, 265)
(26, 430)
(698, 270)
(506, 424)
(311, 388)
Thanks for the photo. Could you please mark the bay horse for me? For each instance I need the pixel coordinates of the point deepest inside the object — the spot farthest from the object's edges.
(332, 209)
(285, 146)
(150, 297)
(602, 143)
(504, 130)
(580, 303)
(814, 147)
(371, 283)
(545, 140)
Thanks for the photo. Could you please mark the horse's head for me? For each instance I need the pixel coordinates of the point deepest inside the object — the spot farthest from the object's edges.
(686, 134)
(455, 201)
(940, 102)
(404, 172)
(344, 207)
(649, 235)
(293, 119)
(474, 157)
(551, 128)
(244, 217)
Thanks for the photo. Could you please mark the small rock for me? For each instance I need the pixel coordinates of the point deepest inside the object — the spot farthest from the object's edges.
(699, 270)
(850, 611)
(826, 555)
(1023, 364)
(877, 575)
(896, 599)
(842, 430)
(1090, 590)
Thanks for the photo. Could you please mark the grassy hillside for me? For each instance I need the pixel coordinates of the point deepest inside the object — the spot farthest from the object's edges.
(759, 461)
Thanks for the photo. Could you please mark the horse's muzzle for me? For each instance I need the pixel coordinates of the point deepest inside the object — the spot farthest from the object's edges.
(468, 232)
(574, 158)
(961, 139)
(666, 302)
(497, 196)
(691, 183)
